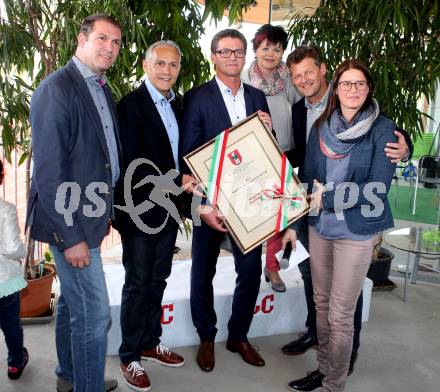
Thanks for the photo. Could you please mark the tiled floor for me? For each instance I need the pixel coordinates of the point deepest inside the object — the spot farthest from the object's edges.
(399, 352)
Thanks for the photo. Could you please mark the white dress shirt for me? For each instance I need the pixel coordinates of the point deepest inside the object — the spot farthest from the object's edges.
(235, 105)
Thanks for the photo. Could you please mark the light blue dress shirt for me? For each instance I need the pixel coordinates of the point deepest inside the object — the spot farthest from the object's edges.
(163, 105)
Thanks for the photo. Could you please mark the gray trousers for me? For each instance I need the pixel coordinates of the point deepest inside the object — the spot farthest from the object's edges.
(339, 268)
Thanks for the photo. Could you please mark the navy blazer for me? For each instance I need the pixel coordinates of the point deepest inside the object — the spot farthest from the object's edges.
(367, 164)
(143, 135)
(69, 145)
(205, 114)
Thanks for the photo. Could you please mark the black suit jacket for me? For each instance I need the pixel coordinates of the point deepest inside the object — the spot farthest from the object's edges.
(299, 128)
(143, 135)
(69, 147)
(206, 114)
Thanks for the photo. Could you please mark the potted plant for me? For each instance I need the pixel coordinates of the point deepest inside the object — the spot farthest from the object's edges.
(35, 298)
(380, 264)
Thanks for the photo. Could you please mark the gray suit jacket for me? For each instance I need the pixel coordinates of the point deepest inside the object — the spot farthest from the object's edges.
(69, 146)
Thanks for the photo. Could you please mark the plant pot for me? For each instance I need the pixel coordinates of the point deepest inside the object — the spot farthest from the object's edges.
(35, 297)
(380, 269)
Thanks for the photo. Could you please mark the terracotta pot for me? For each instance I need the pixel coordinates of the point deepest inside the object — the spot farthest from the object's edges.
(35, 298)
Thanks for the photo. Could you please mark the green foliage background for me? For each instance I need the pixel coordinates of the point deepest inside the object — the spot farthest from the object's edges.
(37, 37)
(398, 39)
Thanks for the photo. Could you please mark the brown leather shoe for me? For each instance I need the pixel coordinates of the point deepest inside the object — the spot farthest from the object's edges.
(163, 355)
(135, 376)
(205, 356)
(246, 351)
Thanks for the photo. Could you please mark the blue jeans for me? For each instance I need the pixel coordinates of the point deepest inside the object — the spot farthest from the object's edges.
(11, 327)
(82, 322)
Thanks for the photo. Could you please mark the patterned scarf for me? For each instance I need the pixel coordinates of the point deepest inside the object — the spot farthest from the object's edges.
(268, 87)
(338, 136)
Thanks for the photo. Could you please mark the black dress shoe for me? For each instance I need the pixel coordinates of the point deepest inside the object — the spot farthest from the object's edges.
(301, 345)
(310, 382)
(353, 359)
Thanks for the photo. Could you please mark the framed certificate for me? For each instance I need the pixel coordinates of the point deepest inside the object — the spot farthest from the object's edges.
(248, 178)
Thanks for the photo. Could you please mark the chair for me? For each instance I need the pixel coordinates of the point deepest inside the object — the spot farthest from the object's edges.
(429, 173)
(409, 173)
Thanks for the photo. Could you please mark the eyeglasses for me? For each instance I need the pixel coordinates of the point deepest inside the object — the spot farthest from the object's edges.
(226, 53)
(305, 75)
(361, 85)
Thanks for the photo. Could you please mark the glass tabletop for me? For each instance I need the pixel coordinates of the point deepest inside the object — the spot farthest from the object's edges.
(406, 239)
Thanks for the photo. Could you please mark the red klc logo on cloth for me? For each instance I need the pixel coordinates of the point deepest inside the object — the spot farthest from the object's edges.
(167, 314)
(266, 306)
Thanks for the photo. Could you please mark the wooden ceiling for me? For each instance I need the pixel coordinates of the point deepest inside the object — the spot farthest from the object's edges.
(280, 9)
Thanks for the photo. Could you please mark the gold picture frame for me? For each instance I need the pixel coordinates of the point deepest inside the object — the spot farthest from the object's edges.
(250, 192)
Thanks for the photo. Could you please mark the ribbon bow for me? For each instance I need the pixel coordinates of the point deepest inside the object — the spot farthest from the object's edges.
(275, 193)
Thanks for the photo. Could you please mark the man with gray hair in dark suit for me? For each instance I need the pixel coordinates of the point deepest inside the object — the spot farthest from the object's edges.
(150, 119)
(76, 165)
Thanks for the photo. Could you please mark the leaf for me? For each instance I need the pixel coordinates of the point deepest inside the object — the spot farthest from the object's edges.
(23, 158)
(38, 37)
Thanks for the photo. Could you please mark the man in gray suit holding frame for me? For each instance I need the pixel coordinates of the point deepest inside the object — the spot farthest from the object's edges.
(76, 165)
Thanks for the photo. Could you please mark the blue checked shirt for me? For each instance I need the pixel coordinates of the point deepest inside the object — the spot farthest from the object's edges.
(95, 84)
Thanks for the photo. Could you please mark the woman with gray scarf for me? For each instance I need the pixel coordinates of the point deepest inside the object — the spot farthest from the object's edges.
(344, 152)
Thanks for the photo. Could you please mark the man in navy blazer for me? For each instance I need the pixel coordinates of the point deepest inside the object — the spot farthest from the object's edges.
(308, 74)
(76, 165)
(208, 110)
(150, 121)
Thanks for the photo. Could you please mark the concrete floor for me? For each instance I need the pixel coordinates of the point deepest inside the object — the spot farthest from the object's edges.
(399, 352)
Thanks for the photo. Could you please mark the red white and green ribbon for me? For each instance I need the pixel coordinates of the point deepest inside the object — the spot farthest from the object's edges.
(286, 178)
(216, 169)
(215, 174)
(275, 193)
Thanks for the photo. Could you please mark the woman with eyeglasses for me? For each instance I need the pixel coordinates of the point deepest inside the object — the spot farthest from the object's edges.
(270, 74)
(350, 176)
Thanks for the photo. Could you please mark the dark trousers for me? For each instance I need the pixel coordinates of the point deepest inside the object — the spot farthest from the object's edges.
(306, 274)
(11, 327)
(205, 250)
(147, 262)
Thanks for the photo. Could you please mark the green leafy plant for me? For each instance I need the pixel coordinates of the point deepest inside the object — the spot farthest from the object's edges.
(37, 268)
(431, 239)
(187, 228)
(39, 36)
(398, 40)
